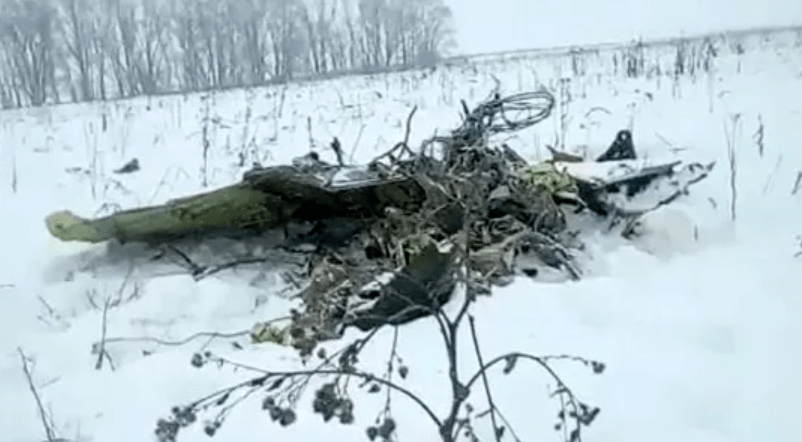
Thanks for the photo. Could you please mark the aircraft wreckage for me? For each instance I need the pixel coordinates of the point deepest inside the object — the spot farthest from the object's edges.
(389, 236)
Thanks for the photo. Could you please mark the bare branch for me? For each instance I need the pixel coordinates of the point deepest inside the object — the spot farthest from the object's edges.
(49, 432)
(102, 353)
(497, 431)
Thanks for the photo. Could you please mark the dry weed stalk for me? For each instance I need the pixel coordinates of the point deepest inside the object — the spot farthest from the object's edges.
(732, 132)
(50, 432)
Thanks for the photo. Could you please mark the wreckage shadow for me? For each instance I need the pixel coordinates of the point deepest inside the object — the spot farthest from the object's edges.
(272, 250)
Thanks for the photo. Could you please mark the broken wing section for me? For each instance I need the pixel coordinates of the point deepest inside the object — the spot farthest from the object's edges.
(266, 198)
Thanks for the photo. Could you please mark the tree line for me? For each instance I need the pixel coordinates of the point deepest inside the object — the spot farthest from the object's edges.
(55, 51)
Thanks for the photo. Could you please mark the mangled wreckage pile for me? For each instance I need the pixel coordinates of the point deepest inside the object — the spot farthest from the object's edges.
(384, 242)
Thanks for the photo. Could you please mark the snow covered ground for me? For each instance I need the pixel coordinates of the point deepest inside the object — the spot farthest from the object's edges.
(696, 321)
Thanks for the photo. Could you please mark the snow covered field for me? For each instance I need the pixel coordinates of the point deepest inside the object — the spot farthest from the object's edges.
(696, 321)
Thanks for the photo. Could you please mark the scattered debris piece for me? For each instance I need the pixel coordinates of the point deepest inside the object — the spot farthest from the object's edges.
(129, 167)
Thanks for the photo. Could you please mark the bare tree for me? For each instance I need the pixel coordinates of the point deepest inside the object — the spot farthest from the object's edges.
(26, 30)
(372, 15)
(103, 32)
(319, 20)
(152, 63)
(403, 32)
(286, 37)
(218, 38)
(136, 46)
(338, 41)
(84, 29)
(354, 43)
(9, 93)
(77, 40)
(428, 32)
(249, 16)
(186, 31)
(120, 45)
(125, 48)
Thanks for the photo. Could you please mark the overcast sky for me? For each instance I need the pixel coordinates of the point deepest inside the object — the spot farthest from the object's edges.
(493, 25)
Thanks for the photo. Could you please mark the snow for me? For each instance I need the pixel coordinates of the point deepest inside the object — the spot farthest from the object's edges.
(696, 320)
